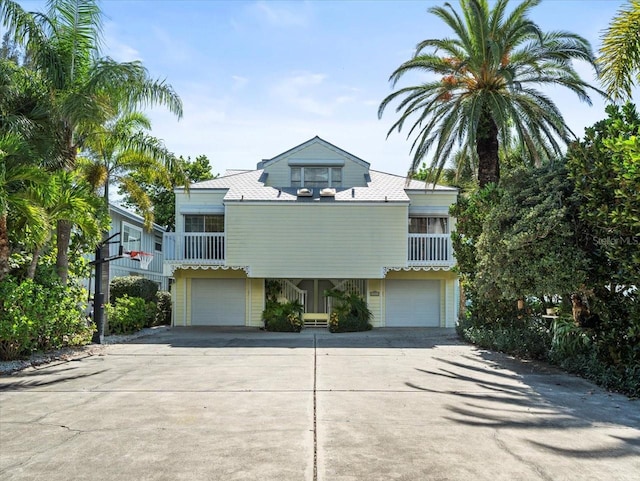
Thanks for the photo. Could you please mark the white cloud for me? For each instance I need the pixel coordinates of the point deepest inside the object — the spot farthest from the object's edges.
(119, 51)
(310, 93)
(239, 82)
(279, 16)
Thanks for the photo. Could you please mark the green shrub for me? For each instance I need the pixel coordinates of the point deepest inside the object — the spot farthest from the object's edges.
(132, 286)
(350, 312)
(283, 317)
(130, 314)
(528, 337)
(163, 308)
(35, 317)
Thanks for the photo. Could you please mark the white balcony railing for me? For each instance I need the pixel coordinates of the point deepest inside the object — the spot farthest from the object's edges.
(209, 248)
(430, 249)
(204, 247)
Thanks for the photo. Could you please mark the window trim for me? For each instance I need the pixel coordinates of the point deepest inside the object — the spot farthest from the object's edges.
(427, 217)
(126, 244)
(204, 224)
(330, 175)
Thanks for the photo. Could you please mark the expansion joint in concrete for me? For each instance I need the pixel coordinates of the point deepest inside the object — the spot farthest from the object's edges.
(315, 406)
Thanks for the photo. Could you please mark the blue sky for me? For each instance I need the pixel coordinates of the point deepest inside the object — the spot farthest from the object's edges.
(260, 77)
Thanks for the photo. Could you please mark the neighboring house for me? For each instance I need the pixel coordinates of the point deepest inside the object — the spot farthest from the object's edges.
(133, 237)
(314, 218)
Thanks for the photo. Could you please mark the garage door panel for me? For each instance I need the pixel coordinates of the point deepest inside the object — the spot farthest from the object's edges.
(412, 303)
(218, 302)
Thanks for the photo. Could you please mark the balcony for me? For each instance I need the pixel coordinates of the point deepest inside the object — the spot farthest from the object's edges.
(209, 248)
(196, 247)
(430, 250)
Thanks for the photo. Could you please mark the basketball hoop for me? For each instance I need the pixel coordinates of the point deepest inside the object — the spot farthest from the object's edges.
(144, 258)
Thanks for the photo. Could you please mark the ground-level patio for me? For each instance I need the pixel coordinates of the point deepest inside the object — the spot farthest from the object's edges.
(242, 404)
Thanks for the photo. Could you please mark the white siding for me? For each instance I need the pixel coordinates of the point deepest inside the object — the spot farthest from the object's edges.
(198, 202)
(316, 240)
(431, 202)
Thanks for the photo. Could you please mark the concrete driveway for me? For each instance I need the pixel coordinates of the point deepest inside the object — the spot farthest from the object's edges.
(242, 404)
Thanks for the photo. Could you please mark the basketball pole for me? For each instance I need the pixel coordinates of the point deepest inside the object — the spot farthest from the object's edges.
(98, 297)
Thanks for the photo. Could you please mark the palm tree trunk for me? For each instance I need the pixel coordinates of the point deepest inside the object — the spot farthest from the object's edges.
(4, 247)
(62, 257)
(31, 271)
(487, 150)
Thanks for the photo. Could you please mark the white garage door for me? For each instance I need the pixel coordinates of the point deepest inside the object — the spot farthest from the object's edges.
(218, 302)
(412, 303)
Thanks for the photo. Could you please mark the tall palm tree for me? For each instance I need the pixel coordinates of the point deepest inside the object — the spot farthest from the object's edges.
(122, 146)
(620, 52)
(64, 48)
(482, 86)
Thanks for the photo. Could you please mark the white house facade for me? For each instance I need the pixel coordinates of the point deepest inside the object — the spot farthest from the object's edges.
(313, 218)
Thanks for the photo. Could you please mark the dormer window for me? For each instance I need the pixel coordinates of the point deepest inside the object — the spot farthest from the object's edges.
(316, 177)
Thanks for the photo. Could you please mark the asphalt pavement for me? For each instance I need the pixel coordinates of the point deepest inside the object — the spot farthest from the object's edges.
(242, 404)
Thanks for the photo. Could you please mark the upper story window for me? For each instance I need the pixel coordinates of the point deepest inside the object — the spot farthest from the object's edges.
(157, 243)
(131, 237)
(204, 223)
(316, 177)
(428, 225)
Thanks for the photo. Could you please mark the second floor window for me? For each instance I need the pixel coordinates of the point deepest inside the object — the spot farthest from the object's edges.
(428, 225)
(204, 223)
(316, 177)
(131, 238)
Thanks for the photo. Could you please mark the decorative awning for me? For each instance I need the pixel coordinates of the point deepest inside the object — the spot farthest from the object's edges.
(213, 267)
(386, 270)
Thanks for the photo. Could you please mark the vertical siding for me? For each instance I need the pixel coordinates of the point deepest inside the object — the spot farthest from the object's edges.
(375, 302)
(317, 240)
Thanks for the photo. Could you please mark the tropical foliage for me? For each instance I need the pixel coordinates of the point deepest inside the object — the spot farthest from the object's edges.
(620, 52)
(69, 124)
(543, 234)
(83, 88)
(159, 190)
(283, 316)
(481, 87)
(349, 313)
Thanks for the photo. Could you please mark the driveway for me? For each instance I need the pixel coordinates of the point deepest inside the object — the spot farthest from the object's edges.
(211, 404)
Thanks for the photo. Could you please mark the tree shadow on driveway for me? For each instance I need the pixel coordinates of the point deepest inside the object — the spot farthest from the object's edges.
(497, 392)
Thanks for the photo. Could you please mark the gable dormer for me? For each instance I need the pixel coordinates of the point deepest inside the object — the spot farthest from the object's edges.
(315, 163)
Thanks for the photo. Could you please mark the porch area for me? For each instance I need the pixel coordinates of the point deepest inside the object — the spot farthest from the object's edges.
(310, 293)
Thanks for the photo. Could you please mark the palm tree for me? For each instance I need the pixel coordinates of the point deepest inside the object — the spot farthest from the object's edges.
(18, 179)
(481, 87)
(63, 47)
(68, 196)
(620, 52)
(122, 146)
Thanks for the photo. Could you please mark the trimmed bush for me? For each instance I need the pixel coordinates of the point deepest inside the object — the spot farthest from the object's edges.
(35, 317)
(163, 308)
(130, 314)
(132, 286)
